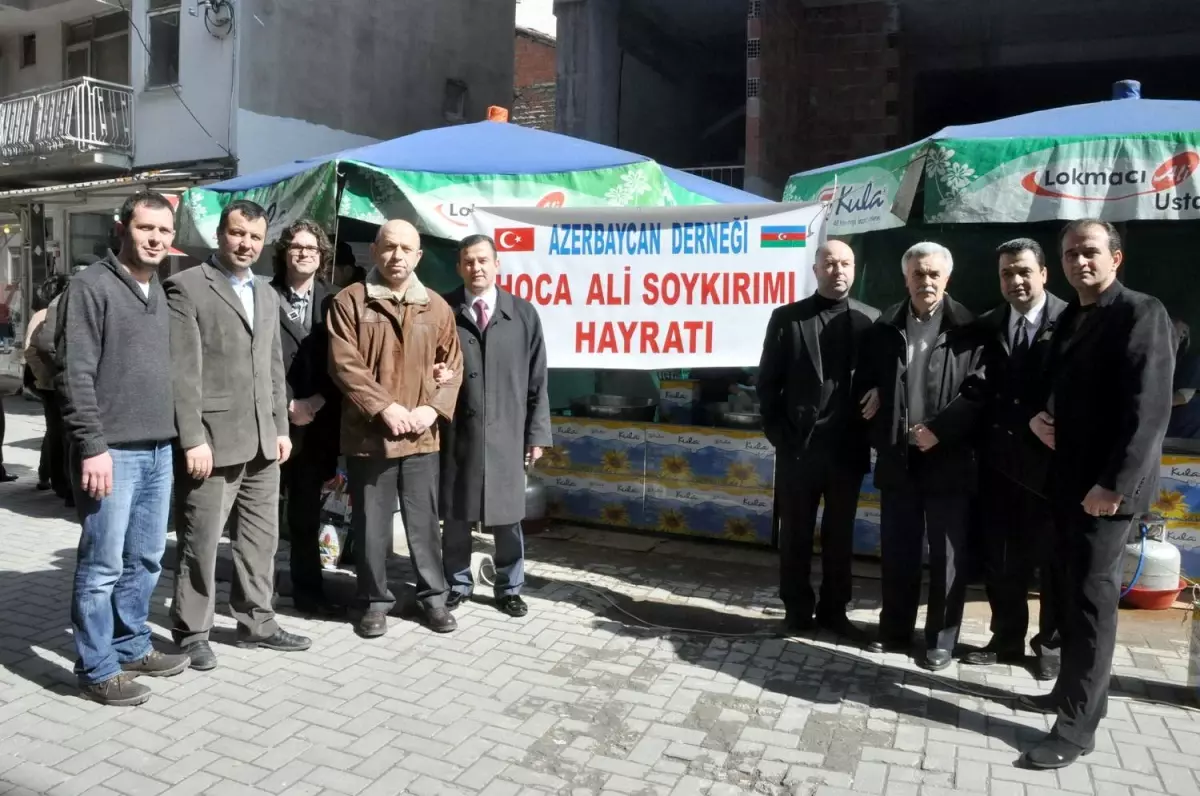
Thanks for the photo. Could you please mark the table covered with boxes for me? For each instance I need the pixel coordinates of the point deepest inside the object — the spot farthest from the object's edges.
(673, 477)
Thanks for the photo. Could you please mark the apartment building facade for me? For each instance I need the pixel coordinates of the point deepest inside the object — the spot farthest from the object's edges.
(101, 97)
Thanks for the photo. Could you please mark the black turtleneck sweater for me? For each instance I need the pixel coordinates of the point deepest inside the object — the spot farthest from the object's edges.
(834, 332)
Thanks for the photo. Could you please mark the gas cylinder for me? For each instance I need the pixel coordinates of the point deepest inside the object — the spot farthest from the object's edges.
(1159, 559)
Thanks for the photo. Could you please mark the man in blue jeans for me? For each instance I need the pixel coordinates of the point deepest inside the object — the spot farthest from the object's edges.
(113, 360)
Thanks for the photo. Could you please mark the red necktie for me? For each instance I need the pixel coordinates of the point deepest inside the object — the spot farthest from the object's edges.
(481, 314)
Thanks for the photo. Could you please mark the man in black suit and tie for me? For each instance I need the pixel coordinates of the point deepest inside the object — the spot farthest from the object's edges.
(810, 416)
(1016, 521)
(1108, 403)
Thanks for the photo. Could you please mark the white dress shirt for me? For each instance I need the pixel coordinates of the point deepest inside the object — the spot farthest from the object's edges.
(1033, 320)
(244, 289)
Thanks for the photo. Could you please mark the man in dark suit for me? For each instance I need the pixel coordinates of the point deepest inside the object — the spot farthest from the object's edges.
(810, 416)
(302, 253)
(1109, 401)
(231, 412)
(919, 356)
(1016, 522)
(501, 424)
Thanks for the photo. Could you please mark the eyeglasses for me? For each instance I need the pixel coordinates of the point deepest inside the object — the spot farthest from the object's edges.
(304, 251)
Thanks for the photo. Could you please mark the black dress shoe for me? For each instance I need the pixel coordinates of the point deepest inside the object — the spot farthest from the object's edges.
(888, 645)
(280, 641)
(372, 624)
(201, 654)
(439, 620)
(318, 607)
(990, 656)
(512, 605)
(1046, 668)
(6, 477)
(1046, 704)
(840, 625)
(796, 623)
(454, 599)
(935, 659)
(1054, 752)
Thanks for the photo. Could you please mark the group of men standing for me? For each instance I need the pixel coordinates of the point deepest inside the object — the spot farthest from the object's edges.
(223, 389)
(1032, 433)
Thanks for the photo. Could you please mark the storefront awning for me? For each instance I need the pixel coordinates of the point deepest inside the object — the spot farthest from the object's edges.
(116, 187)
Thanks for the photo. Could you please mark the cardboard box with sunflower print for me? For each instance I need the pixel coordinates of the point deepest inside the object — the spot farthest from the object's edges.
(614, 500)
(709, 456)
(1178, 502)
(584, 445)
(716, 512)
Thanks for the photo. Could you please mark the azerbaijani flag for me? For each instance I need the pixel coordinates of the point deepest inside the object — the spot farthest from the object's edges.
(790, 237)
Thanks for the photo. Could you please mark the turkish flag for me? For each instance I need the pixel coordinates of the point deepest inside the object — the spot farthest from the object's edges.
(514, 239)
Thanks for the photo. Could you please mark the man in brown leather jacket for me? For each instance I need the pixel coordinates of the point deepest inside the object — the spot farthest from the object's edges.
(385, 336)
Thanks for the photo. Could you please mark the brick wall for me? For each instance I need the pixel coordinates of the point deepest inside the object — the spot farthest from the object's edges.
(829, 84)
(534, 80)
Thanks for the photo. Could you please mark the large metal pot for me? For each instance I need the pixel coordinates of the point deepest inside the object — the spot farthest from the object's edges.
(724, 416)
(615, 407)
(535, 498)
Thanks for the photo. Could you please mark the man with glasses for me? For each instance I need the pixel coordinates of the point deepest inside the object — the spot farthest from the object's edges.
(302, 255)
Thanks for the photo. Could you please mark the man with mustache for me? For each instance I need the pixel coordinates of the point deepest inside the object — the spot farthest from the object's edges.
(231, 411)
(1016, 522)
(821, 450)
(112, 350)
(917, 358)
(1108, 403)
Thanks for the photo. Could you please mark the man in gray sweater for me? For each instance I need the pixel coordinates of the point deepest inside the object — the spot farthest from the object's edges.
(113, 357)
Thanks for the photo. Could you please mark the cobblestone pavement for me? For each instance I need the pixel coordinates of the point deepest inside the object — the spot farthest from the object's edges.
(573, 699)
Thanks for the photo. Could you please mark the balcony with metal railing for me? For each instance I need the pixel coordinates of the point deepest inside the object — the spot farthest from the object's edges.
(82, 126)
(733, 176)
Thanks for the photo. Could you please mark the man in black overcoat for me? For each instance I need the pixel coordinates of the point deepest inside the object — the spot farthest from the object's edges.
(501, 424)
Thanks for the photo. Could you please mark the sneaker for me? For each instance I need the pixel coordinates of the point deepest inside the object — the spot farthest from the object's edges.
(158, 664)
(119, 691)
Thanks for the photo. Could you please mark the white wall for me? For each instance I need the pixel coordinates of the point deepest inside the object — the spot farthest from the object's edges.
(165, 132)
(265, 141)
(48, 69)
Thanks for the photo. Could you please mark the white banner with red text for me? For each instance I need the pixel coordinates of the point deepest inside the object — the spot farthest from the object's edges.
(656, 288)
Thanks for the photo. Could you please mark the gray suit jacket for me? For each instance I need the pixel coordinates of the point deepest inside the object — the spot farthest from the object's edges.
(230, 386)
